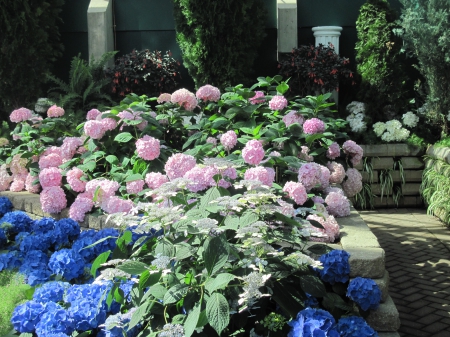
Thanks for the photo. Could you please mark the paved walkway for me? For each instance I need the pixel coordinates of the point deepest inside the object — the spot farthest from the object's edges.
(418, 261)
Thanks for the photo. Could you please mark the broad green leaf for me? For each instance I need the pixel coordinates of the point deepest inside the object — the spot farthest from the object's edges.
(133, 267)
(182, 251)
(102, 258)
(219, 282)
(165, 247)
(285, 219)
(138, 315)
(282, 88)
(123, 137)
(192, 320)
(91, 145)
(148, 279)
(248, 218)
(112, 159)
(212, 194)
(218, 312)
(312, 285)
(309, 139)
(175, 293)
(215, 254)
(133, 177)
(189, 141)
(316, 223)
(158, 291)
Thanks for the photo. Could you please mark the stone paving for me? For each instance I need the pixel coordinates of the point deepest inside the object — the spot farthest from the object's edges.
(417, 250)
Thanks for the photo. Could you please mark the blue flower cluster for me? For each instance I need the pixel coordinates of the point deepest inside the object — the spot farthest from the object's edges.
(5, 206)
(313, 322)
(354, 326)
(365, 292)
(335, 267)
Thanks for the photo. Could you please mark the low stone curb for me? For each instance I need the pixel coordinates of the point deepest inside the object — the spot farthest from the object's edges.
(367, 258)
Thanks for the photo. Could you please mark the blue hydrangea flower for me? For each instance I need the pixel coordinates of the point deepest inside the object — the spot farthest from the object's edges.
(116, 325)
(20, 236)
(335, 267)
(85, 239)
(67, 263)
(38, 276)
(365, 292)
(57, 334)
(34, 267)
(313, 323)
(3, 239)
(311, 301)
(70, 227)
(126, 288)
(35, 242)
(354, 326)
(55, 319)
(80, 291)
(18, 222)
(26, 316)
(10, 260)
(86, 314)
(108, 244)
(42, 226)
(51, 292)
(5, 206)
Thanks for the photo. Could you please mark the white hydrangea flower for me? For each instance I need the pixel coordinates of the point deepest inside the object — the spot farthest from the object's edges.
(410, 119)
(356, 107)
(393, 125)
(161, 261)
(379, 128)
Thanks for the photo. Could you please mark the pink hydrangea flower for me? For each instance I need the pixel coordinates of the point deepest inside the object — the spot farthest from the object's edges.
(17, 185)
(266, 175)
(317, 200)
(52, 149)
(69, 147)
(286, 208)
(155, 180)
(324, 177)
(310, 175)
(53, 199)
(185, 99)
(94, 129)
(353, 184)
(278, 103)
(107, 188)
(178, 164)
(136, 186)
(134, 116)
(164, 98)
(333, 151)
(293, 117)
(329, 233)
(73, 177)
(229, 140)
(304, 154)
(211, 140)
(93, 114)
(199, 178)
(50, 177)
(55, 111)
(20, 115)
(253, 152)
(36, 188)
(337, 172)
(313, 126)
(108, 124)
(80, 207)
(337, 204)
(208, 93)
(148, 148)
(115, 204)
(229, 173)
(296, 191)
(258, 98)
(353, 150)
(51, 160)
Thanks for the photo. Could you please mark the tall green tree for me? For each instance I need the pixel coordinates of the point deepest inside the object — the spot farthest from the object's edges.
(219, 39)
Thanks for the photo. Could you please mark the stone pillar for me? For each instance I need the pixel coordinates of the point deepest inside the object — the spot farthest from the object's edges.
(287, 25)
(100, 29)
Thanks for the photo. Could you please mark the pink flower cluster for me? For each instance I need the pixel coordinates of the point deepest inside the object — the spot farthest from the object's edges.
(330, 231)
(80, 207)
(337, 172)
(74, 179)
(353, 184)
(55, 111)
(164, 98)
(136, 186)
(313, 126)
(53, 199)
(50, 177)
(69, 147)
(258, 98)
(148, 148)
(185, 99)
(278, 103)
(20, 115)
(178, 164)
(155, 179)
(304, 154)
(293, 117)
(50, 160)
(337, 204)
(115, 204)
(229, 140)
(333, 151)
(310, 175)
(107, 188)
(201, 178)
(296, 191)
(134, 116)
(93, 114)
(208, 93)
(108, 123)
(29, 186)
(253, 152)
(353, 150)
(97, 128)
(266, 175)
(212, 140)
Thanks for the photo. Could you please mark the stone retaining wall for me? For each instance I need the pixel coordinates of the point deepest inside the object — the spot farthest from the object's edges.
(367, 258)
(382, 158)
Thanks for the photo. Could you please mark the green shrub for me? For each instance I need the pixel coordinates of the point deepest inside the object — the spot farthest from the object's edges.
(29, 44)
(426, 24)
(12, 292)
(379, 61)
(219, 39)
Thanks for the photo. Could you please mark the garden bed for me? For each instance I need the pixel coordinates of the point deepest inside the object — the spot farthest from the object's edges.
(367, 258)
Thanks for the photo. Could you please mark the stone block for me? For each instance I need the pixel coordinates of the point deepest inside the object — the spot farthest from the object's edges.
(95, 222)
(287, 25)
(413, 163)
(358, 239)
(391, 150)
(366, 262)
(411, 189)
(376, 189)
(410, 176)
(406, 201)
(367, 179)
(100, 29)
(382, 163)
(388, 334)
(385, 318)
(442, 153)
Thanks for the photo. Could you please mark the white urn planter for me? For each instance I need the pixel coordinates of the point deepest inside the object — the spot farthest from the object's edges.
(328, 34)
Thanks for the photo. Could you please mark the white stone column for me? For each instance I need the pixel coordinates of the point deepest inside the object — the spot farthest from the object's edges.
(100, 29)
(326, 34)
(287, 25)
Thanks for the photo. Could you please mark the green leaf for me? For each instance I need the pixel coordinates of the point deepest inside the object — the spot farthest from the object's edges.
(91, 145)
(195, 136)
(138, 315)
(182, 251)
(219, 282)
(158, 291)
(133, 267)
(123, 137)
(218, 312)
(133, 177)
(282, 88)
(285, 219)
(192, 320)
(309, 139)
(248, 218)
(320, 249)
(212, 194)
(176, 293)
(316, 223)
(215, 254)
(312, 285)
(102, 258)
(165, 247)
(112, 159)
(148, 279)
